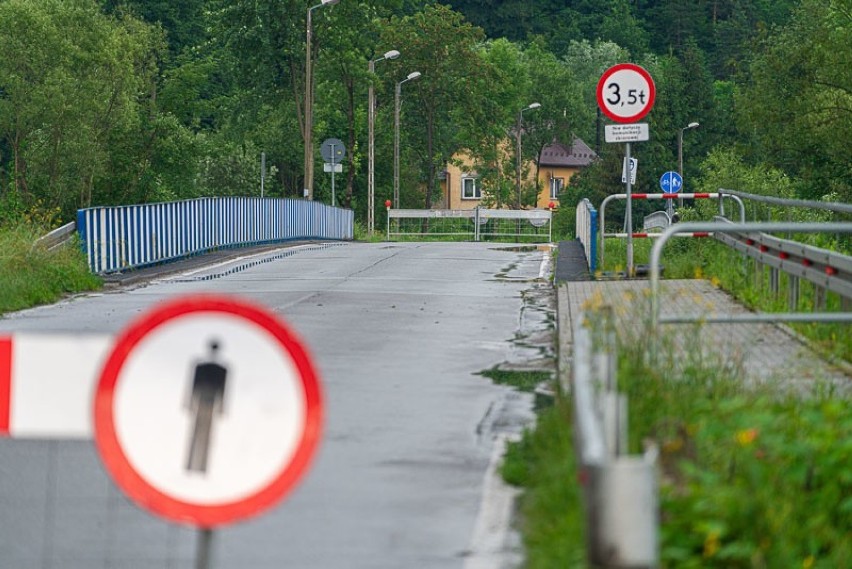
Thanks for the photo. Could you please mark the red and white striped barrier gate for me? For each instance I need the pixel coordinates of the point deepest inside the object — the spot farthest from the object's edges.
(47, 384)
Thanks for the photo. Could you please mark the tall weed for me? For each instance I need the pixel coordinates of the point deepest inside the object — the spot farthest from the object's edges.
(30, 275)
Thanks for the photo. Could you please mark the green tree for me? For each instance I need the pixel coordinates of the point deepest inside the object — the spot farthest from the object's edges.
(182, 21)
(441, 45)
(797, 102)
(74, 83)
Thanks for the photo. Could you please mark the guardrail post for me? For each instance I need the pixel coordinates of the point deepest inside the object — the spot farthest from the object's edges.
(775, 281)
(819, 298)
(622, 518)
(793, 293)
(758, 274)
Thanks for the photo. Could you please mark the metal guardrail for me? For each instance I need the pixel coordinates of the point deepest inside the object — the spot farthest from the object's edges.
(586, 231)
(835, 274)
(621, 492)
(790, 202)
(58, 237)
(471, 224)
(122, 237)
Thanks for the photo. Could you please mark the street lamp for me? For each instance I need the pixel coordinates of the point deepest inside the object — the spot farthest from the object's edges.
(680, 152)
(371, 141)
(309, 104)
(518, 149)
(411, 77)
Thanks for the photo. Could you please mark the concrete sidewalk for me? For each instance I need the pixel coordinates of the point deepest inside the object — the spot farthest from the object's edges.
(765, 353)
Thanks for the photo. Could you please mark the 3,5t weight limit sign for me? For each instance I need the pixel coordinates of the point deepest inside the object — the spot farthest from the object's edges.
(626, 92)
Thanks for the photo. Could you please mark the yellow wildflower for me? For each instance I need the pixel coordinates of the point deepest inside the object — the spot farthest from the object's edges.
(711, 544)
(808, 562)
(746, 437)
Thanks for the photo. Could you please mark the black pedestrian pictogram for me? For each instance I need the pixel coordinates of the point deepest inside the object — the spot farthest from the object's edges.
(206, 401)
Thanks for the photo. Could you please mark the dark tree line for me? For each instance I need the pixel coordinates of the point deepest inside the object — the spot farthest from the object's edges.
(123, 101)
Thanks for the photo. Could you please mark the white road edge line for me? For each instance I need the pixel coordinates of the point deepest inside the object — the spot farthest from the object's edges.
(490, 544)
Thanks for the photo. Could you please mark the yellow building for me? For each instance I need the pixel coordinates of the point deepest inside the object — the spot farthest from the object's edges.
(461, 186)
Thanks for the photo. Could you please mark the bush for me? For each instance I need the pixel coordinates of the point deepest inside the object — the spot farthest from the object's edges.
(31, 275)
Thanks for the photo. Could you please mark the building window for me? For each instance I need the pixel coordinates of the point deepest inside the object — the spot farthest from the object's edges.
(556, 185)
(470, 189)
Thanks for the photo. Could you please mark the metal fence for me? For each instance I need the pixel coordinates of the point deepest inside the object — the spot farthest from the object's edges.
(58, 237)
(620, 491)
(478, 224)
(122, 237)
(825, 269)
(587, 230)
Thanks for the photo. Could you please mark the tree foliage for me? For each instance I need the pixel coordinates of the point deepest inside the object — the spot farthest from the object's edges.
(797, 101)
(121, 101)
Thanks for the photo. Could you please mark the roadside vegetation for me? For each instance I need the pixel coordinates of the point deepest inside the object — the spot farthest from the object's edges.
(750, 477)
(551, 510)
(30, 275)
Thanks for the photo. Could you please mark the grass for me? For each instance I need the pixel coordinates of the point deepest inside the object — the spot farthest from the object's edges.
(31, 275)
(525, 381)
(550, 508)
(751, 478)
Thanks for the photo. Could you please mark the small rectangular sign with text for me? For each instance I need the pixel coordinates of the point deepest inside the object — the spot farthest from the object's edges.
(637, 132)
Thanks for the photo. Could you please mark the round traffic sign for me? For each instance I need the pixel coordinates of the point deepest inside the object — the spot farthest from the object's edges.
(333, 150)
(626, 92)
(671, 182)
(208, 410)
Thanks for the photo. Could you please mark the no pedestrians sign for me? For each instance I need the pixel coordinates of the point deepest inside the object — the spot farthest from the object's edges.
(208, 410)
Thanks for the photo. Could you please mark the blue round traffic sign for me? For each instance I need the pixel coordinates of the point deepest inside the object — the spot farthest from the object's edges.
(671, 182)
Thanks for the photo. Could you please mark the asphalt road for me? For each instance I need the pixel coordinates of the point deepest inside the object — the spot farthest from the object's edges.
(404, 475)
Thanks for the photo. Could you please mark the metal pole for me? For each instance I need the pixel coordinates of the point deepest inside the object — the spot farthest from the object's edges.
(629, 213)
(518, 155)
(397, 94)
(396, 104)
(262, 171)
(371, 152)
(204, 553)
(680, 160)
(332, 174)
(309, 95)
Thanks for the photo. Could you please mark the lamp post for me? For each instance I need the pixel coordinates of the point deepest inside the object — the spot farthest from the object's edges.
(680, 152)
(518, 149)
(411, 76)
(309, 103)
(371, 141)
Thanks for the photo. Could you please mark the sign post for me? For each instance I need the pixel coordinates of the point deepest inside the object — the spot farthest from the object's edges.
(625, 94)
(333, 151)
(208, 411)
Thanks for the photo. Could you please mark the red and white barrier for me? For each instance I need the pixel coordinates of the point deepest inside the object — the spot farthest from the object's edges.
(651, 235)
(47, 384)
(700, 196)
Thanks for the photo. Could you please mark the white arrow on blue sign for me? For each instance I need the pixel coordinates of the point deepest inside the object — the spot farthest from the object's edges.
(671, 182)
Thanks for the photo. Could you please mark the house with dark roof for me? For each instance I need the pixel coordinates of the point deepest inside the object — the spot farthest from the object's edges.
(557, 163)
